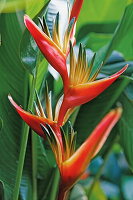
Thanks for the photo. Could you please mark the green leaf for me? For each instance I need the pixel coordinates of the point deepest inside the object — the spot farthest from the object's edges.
(45, 168)
(33, 7)
(91, 113)
(128, 91)
(26, 187)
(127, 185)
(41, 74)
(121, 40)
(28, 47)
(58, 86)
(13, 80)
(7, 6)
(1, 124)
(111, 189)
(101, 11)
(95, 41)
(126, 128)
(1, 191)
(97, 193)
(103, 28)
(112, 68)
(115, 57)
(28, 52)
(78, 193)
(115, 63)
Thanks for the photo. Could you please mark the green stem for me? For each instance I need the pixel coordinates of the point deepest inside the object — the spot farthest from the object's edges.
(34, 145)
(49, 185)
(96, 178)
(25, 138)
(23, 147)
(34, 164)
(55, 185)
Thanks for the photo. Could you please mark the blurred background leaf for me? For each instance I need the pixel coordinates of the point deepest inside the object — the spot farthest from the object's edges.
(78, 193)
(12, 75)
(100, 13)
(1, 191)
(29, 52)
(126, 127)
(120, 40)
(32, 6)
(1, 123)
(127, 184)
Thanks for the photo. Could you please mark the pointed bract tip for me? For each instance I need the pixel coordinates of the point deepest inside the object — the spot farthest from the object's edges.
(9, 97)
(26, 18)
(124, 69)
(120, 71)
(13, 103)
(119, 110)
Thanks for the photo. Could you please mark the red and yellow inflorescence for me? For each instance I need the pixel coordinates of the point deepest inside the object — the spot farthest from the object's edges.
(80, 86)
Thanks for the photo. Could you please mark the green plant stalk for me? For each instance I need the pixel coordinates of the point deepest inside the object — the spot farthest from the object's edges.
(34, 142)
(54, 189)
(96, 178)
(34, 164)
(49, 184)
(23, 145)
(25, 140)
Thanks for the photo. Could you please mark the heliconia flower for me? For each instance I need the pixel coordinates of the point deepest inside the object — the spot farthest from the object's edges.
(54, 50)
(34, 121)
(49, 48)
(75, 166)
(42, 117)
(82, 86)
(74, 163)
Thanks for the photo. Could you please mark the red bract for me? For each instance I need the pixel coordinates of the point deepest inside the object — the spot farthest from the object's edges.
(71, 163)
(72, 169)
(81, 93)
(51, 51)
(34, 121)
(76, 9)
(82, 86)
(74, 14)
